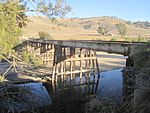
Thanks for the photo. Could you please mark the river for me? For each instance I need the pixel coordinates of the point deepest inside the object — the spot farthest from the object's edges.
(109, 86)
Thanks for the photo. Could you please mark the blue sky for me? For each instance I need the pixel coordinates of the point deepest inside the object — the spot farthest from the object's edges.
(132, 10)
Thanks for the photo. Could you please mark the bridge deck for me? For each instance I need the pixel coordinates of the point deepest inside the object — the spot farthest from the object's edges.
(117, 47)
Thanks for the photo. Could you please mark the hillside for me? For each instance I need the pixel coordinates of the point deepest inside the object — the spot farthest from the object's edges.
(145, 25)
(81, 28)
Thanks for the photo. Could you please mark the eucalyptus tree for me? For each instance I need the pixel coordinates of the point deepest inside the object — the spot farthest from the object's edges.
(13, 18)
(122, 29)
(102, 30)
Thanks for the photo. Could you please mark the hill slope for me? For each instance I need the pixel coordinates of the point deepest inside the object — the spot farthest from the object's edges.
(80, 28)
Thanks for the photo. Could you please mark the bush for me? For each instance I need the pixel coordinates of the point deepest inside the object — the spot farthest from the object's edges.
(141, 56)
(44, 35)
(102, 30)
(140, 39)
(113, 39)
(29, 58)
(122, 29)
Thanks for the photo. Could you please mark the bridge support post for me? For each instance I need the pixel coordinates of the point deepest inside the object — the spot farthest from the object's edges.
(70, 62)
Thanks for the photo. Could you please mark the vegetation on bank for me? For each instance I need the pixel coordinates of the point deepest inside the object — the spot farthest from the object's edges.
(11, 96)
(142, 67)
(141, 56)
(9, 29)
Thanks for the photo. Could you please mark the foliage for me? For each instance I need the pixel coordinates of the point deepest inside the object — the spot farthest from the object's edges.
(141, 56)
(9, 30)
(88, 26)
(49, 8)
(44, 35)
(113, 39)
(121, 29)
(29, 58)
(102, 31)
(21, 16)
(140, 39)
(12, 18)
(127, 39)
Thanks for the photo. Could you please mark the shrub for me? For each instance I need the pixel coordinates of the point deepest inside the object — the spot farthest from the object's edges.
(113, 39)
(141, 56)
(127, 39)
(29, 58)
(140, 39)
(44, 35)
(122, 29)
(102, 30)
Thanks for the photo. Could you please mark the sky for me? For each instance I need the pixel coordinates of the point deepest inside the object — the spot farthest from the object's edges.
(132, 10)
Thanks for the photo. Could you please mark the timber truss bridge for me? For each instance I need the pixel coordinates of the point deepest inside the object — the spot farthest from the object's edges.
(72, 58)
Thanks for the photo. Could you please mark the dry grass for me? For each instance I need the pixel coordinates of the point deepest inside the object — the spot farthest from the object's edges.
(96, 106)
(10, 95)
(2, 78)
(73, 29)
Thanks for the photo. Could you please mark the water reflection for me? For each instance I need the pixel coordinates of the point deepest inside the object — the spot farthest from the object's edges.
(38, 96)
(111, 85)
(108, 86)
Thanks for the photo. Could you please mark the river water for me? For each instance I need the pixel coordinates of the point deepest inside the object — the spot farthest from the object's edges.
(108, 87)
(111, 85)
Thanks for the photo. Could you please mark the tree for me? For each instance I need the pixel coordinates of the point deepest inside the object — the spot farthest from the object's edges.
(121, 29)
(44, 35)
(9, 29)
(49, 8)
(102, 31)
(12, 18)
